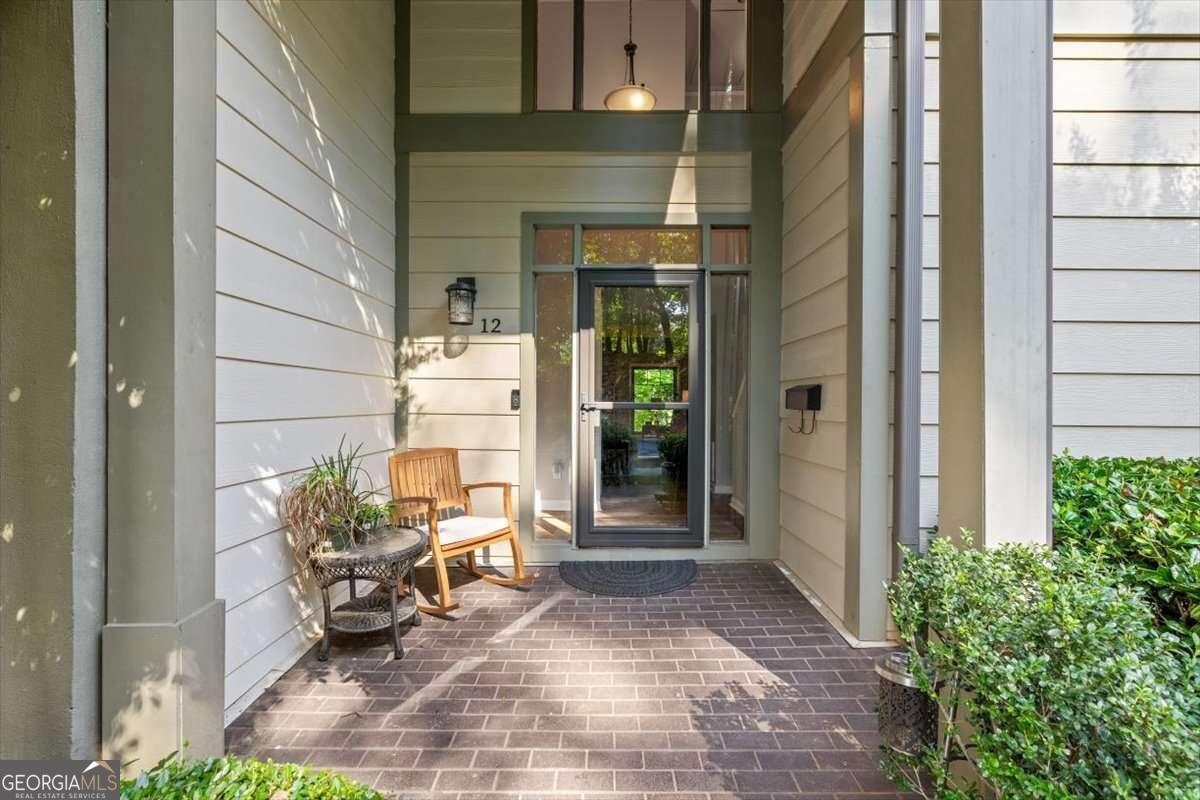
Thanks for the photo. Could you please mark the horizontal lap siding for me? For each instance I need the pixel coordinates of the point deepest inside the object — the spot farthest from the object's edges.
(806, 23)
(305, 330)
(812, 471)
(465, 219)
(466, 56)
(1126, 239)
(1127, 229)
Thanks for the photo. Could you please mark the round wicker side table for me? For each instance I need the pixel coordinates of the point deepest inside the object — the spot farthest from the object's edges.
(386, 557)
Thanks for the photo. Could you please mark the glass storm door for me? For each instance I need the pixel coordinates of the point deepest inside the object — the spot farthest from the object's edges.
(641, 408)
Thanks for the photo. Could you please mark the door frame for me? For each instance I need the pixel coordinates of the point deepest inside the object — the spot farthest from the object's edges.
(586, 534)
(760, 540)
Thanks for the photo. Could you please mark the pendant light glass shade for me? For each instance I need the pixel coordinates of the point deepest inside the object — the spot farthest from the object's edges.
(631, 95)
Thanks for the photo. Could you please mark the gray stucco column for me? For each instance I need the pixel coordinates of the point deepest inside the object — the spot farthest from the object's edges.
(163, 646)
(994, 407)
(51, 376)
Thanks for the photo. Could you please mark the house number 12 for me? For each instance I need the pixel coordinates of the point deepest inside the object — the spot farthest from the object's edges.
(489, 325)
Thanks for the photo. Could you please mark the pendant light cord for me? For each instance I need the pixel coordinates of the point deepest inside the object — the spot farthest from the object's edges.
(630, 47)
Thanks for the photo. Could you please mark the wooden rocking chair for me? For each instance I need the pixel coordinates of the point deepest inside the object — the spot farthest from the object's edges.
(426, 483)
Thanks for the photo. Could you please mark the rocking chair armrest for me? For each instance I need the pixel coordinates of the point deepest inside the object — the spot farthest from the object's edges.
(505, 485)
(426, 504)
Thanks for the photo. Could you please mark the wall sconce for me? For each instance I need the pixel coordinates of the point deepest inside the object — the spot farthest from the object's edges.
(460, 301)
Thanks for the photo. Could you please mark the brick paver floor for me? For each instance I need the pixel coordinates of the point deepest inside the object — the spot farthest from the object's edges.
(734, 687)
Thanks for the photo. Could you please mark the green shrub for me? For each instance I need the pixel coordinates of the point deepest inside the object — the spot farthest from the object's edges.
(177, 778)
(673, 450)
(673, 447)
(614, 435)
(1067, 683)
(1144, 516)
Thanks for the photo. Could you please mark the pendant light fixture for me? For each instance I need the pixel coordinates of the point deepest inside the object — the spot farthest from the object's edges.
(630, 96)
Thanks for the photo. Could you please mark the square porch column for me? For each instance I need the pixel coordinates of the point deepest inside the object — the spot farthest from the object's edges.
(995, 373)
(162, 649)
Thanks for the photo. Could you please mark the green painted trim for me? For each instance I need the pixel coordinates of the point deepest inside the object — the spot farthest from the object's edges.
(576, 245)
(634, 219)
(588, 131)
(577, 23)
(400, 290)
(765, 46)
(401, 211)
(587, 534)
(732, 219)
(846, 33)
(766, 257)
(526, 464)
(704, 89)
(529, 53)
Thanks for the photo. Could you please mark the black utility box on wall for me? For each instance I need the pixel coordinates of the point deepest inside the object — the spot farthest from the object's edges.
(803, 398)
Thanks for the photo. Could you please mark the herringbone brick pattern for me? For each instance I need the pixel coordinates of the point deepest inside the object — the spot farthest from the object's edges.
(732, 688)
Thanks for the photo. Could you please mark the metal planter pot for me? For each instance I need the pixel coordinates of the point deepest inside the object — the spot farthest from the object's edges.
(907, 716)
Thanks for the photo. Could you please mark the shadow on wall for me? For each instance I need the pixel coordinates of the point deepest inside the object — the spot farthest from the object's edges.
(343, 216)
(251, 578)
(1170, 188)
(150, 710)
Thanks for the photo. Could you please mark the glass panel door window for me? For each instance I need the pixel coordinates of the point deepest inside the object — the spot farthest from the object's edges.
(729, 336)
(554, 426)
(641, 415)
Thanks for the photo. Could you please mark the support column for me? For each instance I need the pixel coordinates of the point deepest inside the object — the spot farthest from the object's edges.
(163, 647)
(51, 376)
(766, 223)
(868, 542)
(994, 417)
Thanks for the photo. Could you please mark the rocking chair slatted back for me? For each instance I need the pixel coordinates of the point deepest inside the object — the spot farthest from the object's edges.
(431, 472)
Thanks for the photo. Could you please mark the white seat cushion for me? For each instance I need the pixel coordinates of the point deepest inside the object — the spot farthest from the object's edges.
(460, 529)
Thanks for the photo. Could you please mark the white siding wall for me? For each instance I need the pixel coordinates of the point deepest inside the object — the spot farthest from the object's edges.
(812, 468)
(466, 56)
(465, 219)
(1126, 253)
(305, 292)
(1126, 258)
(1127, 173)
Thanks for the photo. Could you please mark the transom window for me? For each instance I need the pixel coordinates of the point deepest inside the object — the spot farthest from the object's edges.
(638, 246)
(582, 55)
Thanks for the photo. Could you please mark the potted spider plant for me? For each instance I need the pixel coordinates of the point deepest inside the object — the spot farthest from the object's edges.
(332, 505)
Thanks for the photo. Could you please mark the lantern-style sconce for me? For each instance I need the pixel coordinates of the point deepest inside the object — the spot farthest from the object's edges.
(461, 301)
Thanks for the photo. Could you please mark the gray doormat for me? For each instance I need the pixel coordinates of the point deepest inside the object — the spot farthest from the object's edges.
(628, 578)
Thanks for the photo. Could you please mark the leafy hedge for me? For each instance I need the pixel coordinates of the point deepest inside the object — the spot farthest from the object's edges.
(177, 778)
(1141, 516)
(1069, 686)
(673, 450)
